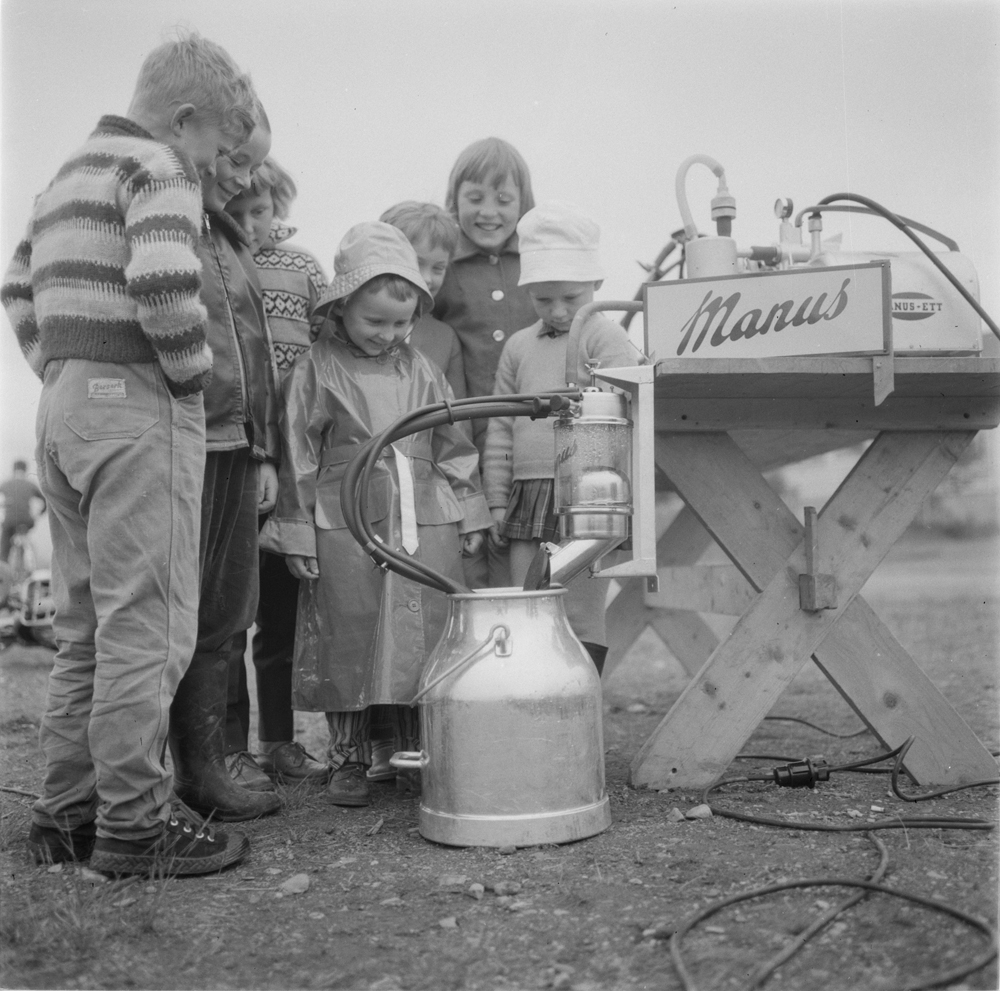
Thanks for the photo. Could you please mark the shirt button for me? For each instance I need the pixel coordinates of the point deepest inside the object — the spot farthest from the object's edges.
(494, 259)
(498, 335)
(497, 294)
(413, 605)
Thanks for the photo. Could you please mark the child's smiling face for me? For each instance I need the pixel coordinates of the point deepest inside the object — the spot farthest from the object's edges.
(376, 321)
(488, 211)
(234, 171)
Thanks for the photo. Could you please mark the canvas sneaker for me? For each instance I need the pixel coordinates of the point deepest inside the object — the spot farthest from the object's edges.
(187, 845)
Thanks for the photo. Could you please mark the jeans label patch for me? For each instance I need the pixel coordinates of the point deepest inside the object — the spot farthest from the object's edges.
(105, 388)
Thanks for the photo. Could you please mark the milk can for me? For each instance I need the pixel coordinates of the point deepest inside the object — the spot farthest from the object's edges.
(510, 721)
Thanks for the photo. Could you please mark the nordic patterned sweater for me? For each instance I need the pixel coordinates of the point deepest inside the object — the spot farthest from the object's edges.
(291, 281)
(108, 269)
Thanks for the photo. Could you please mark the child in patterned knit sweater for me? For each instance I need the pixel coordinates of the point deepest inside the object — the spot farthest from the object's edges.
(292, 281)
(561, 270)
(104, 296)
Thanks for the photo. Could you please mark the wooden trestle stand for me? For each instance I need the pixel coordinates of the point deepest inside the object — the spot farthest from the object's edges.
(721, 423)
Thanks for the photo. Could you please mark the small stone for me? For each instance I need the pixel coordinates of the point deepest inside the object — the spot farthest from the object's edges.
(637, 707)
(88, 875)
(854, 813)
(295, 885)
(55, 869)
(317, 915)
(698, 812)
(506, 888)
(277, 870)
(718, 930)
(393, 902)
(451, 880)
(450, 922)
(507, 850)
(476, 891)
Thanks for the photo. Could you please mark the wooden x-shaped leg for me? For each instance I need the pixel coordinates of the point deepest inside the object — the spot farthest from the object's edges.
(745, 675)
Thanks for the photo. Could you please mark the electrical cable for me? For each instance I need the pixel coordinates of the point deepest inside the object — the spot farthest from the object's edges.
(898, 222)
(899, 822)
(819, 729)
(760, 976)
(807, 771)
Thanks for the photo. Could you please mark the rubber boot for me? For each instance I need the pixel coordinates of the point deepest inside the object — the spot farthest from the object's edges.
(597, 654)
(197, 745)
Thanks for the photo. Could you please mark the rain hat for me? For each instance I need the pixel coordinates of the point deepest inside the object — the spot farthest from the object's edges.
(370, 249)
(558, 243)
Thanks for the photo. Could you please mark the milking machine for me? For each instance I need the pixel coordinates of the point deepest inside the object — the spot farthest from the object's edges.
(510, 701)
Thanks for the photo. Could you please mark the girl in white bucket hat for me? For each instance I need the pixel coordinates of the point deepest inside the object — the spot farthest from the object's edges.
(561, 269)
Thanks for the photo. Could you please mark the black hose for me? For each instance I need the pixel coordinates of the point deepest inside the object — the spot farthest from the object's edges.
(897, 221)
(354, 486)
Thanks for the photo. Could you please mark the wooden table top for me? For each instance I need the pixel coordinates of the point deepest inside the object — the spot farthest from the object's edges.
(826, 393)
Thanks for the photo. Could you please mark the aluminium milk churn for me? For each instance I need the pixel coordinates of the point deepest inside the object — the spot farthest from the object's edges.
(510, 721)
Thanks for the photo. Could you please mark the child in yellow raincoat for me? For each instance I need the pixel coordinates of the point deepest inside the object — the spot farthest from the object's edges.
(363, 635)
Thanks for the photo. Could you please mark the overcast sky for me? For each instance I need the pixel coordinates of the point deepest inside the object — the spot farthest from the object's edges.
(371, 100)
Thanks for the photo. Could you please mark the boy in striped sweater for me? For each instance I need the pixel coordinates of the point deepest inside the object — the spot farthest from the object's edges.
(103, 294)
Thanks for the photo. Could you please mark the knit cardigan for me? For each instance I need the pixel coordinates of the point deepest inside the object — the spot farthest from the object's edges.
(108, 269)
(534, 361)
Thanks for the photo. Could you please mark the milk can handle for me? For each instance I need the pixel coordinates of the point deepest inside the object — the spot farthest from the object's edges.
(499, 636)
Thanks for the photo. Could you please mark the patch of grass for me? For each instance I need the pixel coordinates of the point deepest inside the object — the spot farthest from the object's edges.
(69, 915)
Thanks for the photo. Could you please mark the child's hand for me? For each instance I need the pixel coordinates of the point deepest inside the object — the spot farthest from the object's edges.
(471, 542)
(267, 487)
(303, 567)
(496, 539)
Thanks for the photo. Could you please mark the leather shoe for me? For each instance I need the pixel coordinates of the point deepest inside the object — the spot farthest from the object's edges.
(381, 769)
(290, 762)
(245, 771)
(348, 785)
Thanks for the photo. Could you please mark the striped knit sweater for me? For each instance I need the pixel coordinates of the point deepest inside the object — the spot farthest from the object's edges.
(108, 270)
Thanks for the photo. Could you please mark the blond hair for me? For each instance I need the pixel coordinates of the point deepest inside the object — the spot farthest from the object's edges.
(424, 220)
(271, 177)
(192, 69)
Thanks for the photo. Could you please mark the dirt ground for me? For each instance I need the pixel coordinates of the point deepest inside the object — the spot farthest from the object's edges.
(356, 899)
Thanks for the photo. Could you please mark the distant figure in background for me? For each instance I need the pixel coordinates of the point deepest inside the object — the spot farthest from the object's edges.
(21, 503)
(291, 281)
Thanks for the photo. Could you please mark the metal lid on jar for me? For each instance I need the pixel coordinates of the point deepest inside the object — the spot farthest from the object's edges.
(603, 405)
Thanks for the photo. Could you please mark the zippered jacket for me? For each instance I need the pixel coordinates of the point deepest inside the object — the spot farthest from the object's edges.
(241, 400)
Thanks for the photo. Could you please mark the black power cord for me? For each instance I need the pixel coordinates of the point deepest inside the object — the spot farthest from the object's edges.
(903, 225)
(807, 772)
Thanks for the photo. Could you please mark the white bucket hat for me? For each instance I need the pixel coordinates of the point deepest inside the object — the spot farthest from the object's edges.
(370, 249)
(558, 243)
